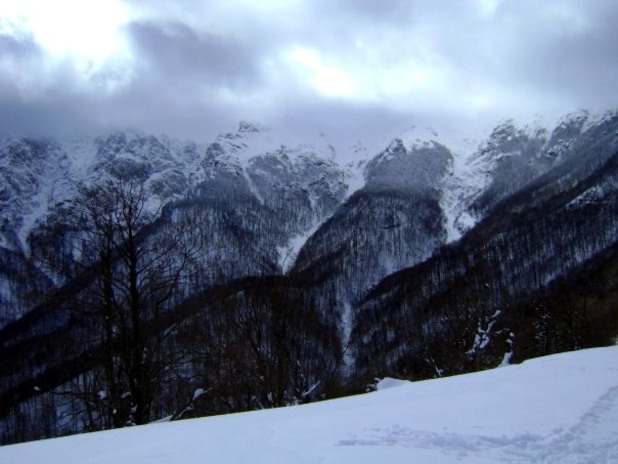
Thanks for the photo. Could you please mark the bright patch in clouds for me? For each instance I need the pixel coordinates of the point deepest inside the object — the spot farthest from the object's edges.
(86, 32)
(364, 79)
(489, 7)
(329, 80)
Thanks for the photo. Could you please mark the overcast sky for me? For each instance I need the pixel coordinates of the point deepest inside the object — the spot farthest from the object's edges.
(352, 69)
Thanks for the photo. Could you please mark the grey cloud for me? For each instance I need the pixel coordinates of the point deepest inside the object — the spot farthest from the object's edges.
(545, 56)
(194, 80)
(22, 82)
(61, 115)
(176, 89)
(18, 57)
(390, 11)
(154, 106)
(345, 123)
(18, 48)
(176, 51)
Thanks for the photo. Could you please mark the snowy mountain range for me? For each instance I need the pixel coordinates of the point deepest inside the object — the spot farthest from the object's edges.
(433, 256)
(303, 183)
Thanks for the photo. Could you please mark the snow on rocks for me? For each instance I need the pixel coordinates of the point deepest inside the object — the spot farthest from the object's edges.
(388, 382)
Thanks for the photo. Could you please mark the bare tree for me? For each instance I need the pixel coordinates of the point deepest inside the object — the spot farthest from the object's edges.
(143, 259)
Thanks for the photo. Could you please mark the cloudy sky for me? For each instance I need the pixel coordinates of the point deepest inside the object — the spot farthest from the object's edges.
(352, 69)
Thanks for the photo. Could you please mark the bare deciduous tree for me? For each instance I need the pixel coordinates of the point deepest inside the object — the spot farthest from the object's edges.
(141, 266)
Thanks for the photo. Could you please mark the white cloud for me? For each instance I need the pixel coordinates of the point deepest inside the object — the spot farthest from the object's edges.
(86, 32)
(488, 7)
(326, 78)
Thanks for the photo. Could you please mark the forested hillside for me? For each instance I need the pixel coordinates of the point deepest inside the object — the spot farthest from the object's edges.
(143, 277)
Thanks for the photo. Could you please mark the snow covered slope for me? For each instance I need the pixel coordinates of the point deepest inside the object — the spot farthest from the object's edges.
(558, 409)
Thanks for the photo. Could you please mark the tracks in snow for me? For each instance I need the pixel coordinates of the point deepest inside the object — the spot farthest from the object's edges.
(594, 439)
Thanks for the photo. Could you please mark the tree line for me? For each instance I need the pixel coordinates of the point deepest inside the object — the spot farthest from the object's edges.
(141, 335)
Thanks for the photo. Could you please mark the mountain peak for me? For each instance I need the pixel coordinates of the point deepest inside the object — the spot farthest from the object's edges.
(251, 127)
(396, 146)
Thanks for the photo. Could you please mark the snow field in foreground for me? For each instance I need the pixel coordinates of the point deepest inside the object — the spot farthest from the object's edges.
(558, 409)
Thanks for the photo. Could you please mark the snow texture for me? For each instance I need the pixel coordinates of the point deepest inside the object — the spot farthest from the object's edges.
(289, 253)
(558, 409)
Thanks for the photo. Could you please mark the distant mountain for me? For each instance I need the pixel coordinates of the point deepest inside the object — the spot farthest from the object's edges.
(312, 269)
